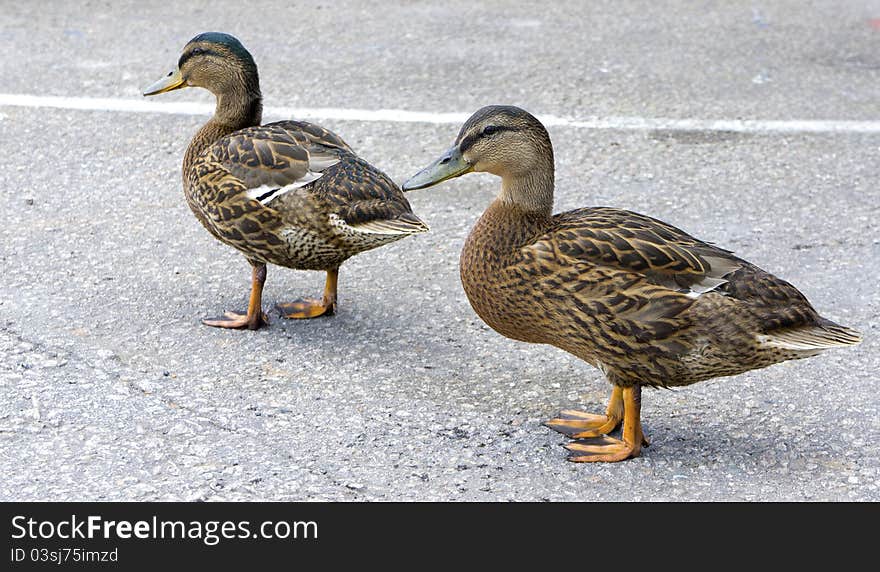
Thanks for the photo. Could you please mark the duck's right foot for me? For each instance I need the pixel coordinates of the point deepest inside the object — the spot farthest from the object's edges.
(254, 318)
(305, 308)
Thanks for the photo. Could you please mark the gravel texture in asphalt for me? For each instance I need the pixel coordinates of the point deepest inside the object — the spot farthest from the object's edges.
(111, 389)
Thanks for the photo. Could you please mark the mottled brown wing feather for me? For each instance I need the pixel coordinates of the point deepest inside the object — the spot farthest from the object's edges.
(361, 193)
(309, 134)
(640, 270)
(220, 202)
(779, 304)
(283, 152)
(292, 193)
(627, 241)
(268, 155)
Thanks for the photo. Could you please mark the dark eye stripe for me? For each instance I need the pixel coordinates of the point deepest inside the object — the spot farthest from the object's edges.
(468, 142)
(195, 52)
(471, 139)
(498, 129)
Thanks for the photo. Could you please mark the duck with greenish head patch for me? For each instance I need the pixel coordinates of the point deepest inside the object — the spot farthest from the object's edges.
(288, 193)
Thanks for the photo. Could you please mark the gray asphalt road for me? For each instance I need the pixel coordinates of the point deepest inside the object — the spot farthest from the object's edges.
(110, 389)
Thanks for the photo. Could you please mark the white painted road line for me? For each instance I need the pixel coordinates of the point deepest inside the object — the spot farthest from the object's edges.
(756, 126)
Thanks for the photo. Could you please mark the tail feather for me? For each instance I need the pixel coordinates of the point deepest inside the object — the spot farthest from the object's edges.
(405, 223)
(812, 338)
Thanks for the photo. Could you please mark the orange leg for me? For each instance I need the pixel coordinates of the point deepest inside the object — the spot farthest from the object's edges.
(255, 316)
(312, 307)
(609, 450)
(577, 424)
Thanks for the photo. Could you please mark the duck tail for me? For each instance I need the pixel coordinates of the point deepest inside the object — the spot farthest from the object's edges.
(404, 223)
(825, 335)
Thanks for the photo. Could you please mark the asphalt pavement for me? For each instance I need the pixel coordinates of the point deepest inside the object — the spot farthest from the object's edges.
(111, 389)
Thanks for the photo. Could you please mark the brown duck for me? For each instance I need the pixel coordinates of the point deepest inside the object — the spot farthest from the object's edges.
(288, 193)
(641, 300)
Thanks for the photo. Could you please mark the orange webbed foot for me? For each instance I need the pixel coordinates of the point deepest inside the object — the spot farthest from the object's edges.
(305, 308)
(578, 425)
(592, 445)
(600, 450)
(238, 321)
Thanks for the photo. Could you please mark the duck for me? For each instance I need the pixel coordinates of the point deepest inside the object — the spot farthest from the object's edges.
(639, 299)
(288, 193)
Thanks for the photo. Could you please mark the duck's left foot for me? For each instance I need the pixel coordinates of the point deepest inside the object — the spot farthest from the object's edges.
(601, 450)
(239, 321)
(306, 308)
(578, 425)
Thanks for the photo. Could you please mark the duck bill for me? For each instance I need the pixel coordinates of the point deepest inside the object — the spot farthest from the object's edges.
(451, 164)
(168, 83)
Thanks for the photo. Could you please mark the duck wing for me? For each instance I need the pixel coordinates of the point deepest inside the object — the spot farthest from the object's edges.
(274, 159)
(635, 247)
(641, 275)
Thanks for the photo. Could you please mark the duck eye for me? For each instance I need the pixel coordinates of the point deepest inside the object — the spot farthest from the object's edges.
(198, 51)
(490, 129)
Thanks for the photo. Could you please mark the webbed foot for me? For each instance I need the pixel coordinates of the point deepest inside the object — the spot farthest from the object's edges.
(312, 307)
(305, 308)
(578, 425)
(254, 318)
(235, 320)
(591, 444)
(602, 449)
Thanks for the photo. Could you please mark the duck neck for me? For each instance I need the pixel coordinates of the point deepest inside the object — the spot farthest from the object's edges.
(530, 192)
(236, 109)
